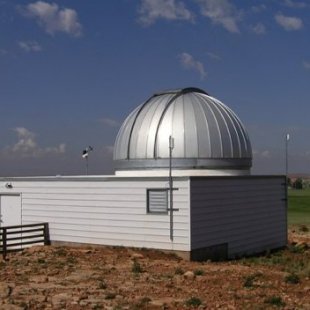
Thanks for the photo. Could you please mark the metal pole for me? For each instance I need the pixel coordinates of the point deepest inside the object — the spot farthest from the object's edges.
(4, 242)
(287, 137)
(87, 165)
(171, 145)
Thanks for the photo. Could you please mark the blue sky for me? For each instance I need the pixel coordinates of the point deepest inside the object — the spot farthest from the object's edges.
(71, 70)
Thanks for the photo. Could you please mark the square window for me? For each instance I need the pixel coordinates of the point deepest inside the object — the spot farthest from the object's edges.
(157, 201)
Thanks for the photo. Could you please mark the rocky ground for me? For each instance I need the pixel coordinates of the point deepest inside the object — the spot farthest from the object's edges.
(119, 278)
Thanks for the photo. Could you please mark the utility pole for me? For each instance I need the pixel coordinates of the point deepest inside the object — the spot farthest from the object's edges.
(287, 138)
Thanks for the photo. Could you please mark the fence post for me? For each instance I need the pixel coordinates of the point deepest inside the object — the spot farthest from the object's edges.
(47, 240)
(4, 243)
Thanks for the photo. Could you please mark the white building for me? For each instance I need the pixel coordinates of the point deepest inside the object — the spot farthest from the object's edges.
(219, 209)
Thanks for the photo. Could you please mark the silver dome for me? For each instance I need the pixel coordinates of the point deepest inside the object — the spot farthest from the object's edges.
(207, 134)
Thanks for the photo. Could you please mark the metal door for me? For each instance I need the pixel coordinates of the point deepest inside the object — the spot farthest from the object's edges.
(10, 210)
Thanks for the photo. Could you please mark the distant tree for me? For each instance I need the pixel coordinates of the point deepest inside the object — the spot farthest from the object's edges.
(298, 184)
(289, 182)
(306, 184)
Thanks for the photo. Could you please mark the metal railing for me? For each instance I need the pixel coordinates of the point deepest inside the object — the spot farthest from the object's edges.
(16, 238)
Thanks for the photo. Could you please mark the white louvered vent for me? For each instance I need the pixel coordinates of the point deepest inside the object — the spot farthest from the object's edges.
(157, 201)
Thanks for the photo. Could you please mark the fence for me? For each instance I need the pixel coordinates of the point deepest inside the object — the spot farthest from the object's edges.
(16, 238)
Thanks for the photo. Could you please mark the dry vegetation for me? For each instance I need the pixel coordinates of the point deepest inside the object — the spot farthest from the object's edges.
(120, 278)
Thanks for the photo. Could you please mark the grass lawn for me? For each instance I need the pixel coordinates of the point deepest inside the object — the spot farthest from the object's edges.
(299, 207)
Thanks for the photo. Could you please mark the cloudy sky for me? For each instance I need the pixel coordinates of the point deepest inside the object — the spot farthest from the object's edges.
(71, 70)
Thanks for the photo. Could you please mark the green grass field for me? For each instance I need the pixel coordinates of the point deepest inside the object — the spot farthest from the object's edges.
(299, 207)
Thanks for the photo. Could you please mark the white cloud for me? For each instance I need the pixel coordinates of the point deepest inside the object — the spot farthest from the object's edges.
(259, 8)
(30, 46)
(3, 51)
(190, 63)
(53, 18)
(214, 56)
(221, 12)
(152, 10)
(289, 23)
(306, 65)
(259, 28)
(295, 4)
(60, 149)
(108, 149)
(26, 141)
(27, 146)
(266, 154)
(261, 154)
(109, 122)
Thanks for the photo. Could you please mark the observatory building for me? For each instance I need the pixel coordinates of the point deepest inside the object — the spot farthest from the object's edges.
(209, 138)
(182, 183)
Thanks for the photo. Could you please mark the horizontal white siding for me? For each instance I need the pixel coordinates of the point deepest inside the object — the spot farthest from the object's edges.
(248, 213)
(108, 212)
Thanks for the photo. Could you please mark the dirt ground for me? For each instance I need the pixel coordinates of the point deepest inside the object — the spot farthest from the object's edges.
(120, 278)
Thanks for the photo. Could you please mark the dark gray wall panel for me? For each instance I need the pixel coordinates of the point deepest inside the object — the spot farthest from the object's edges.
(248, 213)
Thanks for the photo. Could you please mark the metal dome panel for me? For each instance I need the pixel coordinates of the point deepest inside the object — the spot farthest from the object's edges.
(207, 134)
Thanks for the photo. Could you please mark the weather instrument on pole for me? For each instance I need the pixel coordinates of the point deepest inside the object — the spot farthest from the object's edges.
(85, 154)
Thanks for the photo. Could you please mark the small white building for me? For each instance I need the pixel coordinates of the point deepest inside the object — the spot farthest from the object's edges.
(218, 208)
